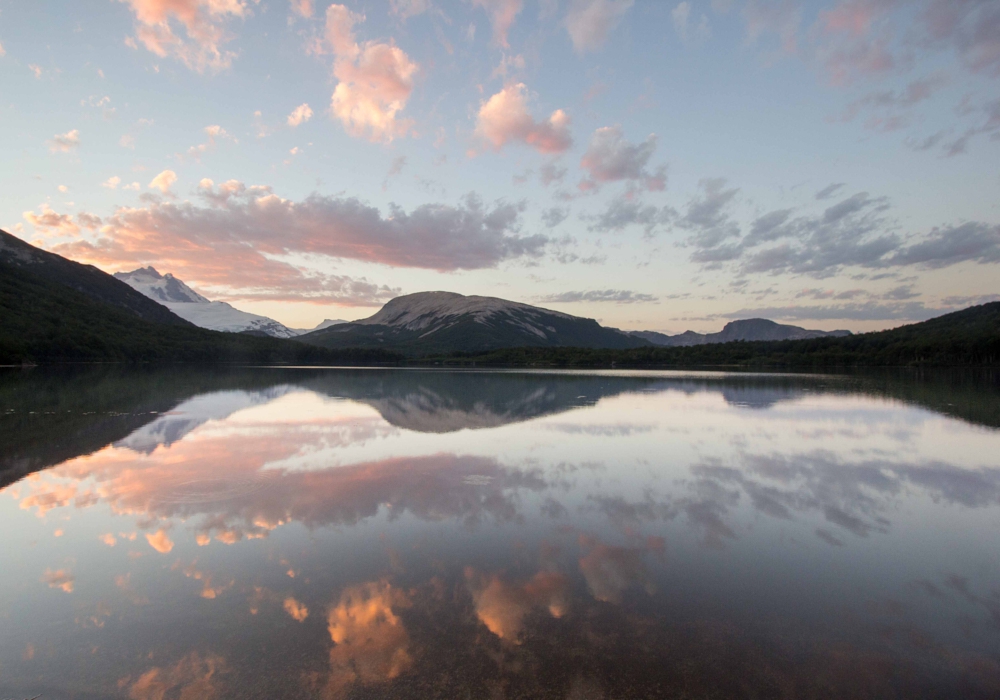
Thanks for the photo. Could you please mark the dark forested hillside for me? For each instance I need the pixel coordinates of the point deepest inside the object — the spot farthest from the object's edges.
(967, 337)
(54, 269)
(44, 321)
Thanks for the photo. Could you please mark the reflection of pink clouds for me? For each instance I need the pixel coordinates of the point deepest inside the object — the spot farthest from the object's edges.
(55, 497)
(297, 610)
(370, 642)
(150, 486)
(208, 591)
(59, 578)
(160, 541)
(610, 571)
(502, 606)
(194, 677)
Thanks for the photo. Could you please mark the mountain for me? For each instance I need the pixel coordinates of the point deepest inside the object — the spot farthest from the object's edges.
(56, 310)
(966, 338)
(52, 269)
(326, 323)
(750, 329)
(444, 322)
(191, 306)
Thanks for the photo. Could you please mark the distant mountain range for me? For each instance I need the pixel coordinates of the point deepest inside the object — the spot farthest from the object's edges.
(444, 322)
(204, 313)
(751, 329)
(56, 310)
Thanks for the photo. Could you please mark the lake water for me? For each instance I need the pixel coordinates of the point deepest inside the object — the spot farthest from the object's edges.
(299, 533)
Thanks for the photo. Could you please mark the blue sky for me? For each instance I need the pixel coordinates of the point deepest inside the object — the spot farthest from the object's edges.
(653, 165)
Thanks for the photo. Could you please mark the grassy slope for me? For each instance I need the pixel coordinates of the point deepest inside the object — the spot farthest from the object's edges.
(970, 337)
(41, 321)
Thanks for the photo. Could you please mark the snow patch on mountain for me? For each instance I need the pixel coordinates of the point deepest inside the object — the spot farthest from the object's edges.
(193, 307)
(432, 311)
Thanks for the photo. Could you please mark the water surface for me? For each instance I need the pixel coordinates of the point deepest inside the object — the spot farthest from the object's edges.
(293, 533)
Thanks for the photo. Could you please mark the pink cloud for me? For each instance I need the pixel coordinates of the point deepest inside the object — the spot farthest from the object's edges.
(854, 39)
(201, 24)
(300, 115)
(302, 8)
(854, 17)
(502, 15)
(163, 181)
(505, 118)
(589, 21)
(375, 80)
(235, 240)
(49, 221)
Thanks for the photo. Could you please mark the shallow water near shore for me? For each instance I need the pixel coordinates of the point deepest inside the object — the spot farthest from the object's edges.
(362, 533)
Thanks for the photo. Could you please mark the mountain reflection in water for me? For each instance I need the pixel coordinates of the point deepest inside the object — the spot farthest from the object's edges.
(366, 533)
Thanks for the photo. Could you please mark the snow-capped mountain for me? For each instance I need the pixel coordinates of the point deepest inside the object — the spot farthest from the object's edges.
(191, 306)
(448, 322)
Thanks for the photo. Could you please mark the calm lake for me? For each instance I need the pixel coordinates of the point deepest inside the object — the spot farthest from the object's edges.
(361, 533)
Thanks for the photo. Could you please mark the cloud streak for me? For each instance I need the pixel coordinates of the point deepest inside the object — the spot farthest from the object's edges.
(617, 296)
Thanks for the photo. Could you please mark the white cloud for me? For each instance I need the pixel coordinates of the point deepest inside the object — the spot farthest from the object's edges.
(63, 143)
(112, 182)
(300, 115)
(163, 181)
(589, 21)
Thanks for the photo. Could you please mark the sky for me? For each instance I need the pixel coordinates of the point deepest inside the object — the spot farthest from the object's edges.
(654, 165)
